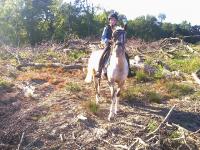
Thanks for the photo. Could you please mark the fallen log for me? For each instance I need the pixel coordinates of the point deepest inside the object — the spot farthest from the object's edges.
(53, 65)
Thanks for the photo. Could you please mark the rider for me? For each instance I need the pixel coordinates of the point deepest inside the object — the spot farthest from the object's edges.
(107, 40)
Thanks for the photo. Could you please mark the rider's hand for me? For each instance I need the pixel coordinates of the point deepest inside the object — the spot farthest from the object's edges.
(110, 42)
(125, 21)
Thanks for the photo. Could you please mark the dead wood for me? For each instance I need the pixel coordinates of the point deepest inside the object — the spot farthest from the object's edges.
(116, 146)
(165, 119)
(53, 65)
(14, 54)
(20, 141)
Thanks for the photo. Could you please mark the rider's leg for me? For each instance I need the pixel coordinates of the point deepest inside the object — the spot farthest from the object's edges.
(129, 68)
(102, 61)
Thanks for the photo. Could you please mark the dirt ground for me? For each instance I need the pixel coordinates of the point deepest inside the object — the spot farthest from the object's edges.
(58, 117)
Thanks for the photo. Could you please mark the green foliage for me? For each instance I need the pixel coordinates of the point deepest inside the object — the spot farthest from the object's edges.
(12, 30)
(5, 84)
(73, 87)
(177, 90)
(141, 76)
(93, 107)
(133, 93)
(159, 73)
(74, 55)
(174, 135)
(36, 21)
(185, 65)
(145, 27)
(154, 97)
(47, 56)
(152, 125)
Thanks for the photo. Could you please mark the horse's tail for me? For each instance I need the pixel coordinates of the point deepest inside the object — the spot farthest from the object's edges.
(93, 64)
(90, 72)
(89, 75)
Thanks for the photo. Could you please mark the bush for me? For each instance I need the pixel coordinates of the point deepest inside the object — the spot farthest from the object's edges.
(141, 76)
(154, 97)
(73, 87)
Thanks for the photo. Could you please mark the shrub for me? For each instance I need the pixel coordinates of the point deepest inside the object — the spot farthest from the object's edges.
(154, 97)
(73, 87)
(152, 125)
(141, 76)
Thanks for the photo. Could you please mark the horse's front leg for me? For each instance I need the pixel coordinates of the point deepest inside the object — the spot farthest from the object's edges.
(112, 90)
(117, 95)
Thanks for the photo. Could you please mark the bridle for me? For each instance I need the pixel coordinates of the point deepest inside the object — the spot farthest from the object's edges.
(119, 38)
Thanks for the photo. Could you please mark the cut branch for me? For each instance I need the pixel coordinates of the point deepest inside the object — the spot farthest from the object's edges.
(20, 141)
(165, 119)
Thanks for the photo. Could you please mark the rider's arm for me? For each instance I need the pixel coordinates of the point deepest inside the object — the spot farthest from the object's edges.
(104, 38)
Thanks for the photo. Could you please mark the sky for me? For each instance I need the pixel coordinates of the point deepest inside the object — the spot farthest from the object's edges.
(176, 11)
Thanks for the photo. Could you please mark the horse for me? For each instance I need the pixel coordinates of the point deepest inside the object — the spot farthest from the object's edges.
(117, 70)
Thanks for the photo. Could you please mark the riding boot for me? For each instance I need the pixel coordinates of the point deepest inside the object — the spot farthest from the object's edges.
(102, 61)
(129, 68)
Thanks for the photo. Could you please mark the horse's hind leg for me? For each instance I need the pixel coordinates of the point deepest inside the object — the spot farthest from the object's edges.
(97, 88)
(98, 91)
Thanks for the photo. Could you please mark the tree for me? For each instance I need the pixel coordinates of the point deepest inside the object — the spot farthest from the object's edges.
(161, 17)
(12, 30)
(39, 18)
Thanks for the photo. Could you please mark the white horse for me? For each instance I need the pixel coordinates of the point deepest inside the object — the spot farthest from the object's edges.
(117, 69)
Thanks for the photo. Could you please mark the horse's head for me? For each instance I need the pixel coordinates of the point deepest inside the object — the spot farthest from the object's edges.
(119, 38)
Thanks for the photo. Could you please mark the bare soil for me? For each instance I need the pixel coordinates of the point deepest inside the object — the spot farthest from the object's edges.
(52, 118)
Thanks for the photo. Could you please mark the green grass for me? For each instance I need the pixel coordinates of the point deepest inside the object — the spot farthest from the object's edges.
(152, 125)
(175, 134)
(154, 97)
(5, 84)
(73, 87)
(141, 76)
(48, 56)
(188, 65)
(159, 73)
(132, 93)
(177, 90)
(74, 55)
(141, 92)
(93, 107)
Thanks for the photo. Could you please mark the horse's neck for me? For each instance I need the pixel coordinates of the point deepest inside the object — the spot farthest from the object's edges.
(117, 59)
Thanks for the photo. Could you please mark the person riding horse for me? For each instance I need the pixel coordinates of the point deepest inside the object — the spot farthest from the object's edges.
(106, 39)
